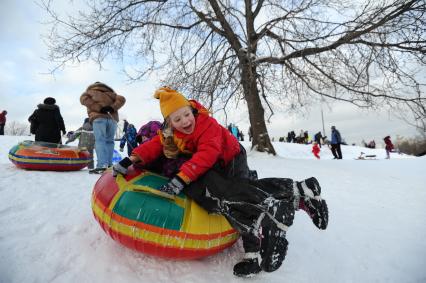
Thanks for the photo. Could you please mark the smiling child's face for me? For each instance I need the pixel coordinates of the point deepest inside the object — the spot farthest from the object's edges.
(183, 120)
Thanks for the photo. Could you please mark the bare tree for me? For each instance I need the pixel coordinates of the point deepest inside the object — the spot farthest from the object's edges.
(269, 53)
(14, 128)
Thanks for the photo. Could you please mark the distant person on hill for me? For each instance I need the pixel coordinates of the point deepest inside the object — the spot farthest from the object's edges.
(316, 150)
(2, 121)
(102, 105)
(250, 133)
(86, 139)
(288, 139)
(388, 146)
(216, 176)
(336, 140)
(234, 131)
(47, 122)
(301, 137)
(306, 139)
(293, 137)
(372, 144)
(241, 135)
(318, 138)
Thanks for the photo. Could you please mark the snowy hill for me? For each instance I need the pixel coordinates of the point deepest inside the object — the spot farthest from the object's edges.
(376, 231)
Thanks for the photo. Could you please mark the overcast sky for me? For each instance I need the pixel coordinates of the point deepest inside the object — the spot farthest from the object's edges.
(25, 81)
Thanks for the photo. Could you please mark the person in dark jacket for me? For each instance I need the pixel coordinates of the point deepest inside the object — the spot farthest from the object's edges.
(216, 177)
(2, 121)
(317, 138)
(250, 133)
(293, 137)
(336, 140)
(47, 122)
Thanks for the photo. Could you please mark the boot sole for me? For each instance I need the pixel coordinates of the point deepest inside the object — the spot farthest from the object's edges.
(319, 214)
(273, 253)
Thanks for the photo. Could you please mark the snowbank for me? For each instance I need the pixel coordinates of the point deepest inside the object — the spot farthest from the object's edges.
(376, 231)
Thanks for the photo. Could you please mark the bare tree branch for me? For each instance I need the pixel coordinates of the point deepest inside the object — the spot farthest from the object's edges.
(271, 54)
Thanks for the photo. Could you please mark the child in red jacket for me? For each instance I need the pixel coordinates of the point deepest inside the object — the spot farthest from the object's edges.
(216, 176)
(316, 150)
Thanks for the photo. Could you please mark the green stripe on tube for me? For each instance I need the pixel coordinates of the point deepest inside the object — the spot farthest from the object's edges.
(150, 209)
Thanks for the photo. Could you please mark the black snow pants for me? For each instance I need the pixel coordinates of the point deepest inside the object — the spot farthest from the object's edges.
(228, 191)
(336, 151)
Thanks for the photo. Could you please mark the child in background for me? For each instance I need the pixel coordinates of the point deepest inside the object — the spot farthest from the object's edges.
(316, 150)
(216, 176)
(389, 146)
(162, 165)
(129, 137)
(148, 131)
(86, 139)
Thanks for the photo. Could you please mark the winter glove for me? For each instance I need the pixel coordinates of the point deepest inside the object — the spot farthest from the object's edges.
(121, 167)
(64, 132)
(173, 187)
(121, 149)
(107, 109)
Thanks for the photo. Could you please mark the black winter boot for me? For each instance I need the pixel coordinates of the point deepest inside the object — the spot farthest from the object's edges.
(274, 244)
(248, 267)
(311, 202)
(273, 248)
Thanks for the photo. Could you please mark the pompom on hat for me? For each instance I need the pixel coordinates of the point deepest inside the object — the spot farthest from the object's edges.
(170, 100)
(49, 101)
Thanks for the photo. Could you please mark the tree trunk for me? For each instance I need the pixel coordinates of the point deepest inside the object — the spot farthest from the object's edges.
(261, 141)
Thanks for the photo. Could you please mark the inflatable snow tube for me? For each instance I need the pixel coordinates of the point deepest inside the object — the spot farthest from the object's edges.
(48, 156)
(134, 213)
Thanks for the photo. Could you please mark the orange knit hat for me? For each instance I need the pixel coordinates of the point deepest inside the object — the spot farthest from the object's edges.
(170, 100)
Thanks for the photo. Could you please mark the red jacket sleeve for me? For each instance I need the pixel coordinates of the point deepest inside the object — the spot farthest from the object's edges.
(149, 151)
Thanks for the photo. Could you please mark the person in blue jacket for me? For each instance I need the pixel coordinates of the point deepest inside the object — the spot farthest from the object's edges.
(336, 140)
(129, 137)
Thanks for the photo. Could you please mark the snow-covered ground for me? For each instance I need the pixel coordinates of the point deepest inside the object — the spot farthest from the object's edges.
(376, 233)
